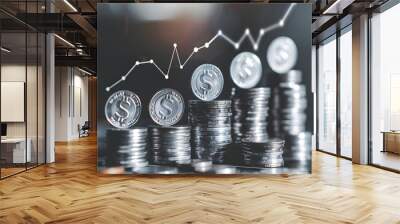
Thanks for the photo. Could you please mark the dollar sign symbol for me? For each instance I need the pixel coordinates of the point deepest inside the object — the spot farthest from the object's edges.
(123, 113)
(206, 81)
(282, 56)
(246, 68)
(166, 106)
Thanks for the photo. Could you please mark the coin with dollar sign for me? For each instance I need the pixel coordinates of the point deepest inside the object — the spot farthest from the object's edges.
(166, 107)
(246, 70)
(207, 82)
(123, 109)
(282, 55)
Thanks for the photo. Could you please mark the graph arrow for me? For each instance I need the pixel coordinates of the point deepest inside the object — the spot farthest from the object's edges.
(220, 35)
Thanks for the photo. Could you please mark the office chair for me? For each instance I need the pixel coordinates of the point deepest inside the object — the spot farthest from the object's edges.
(84, 130)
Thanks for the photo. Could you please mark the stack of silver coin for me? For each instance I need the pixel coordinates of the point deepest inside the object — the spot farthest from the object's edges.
(290, 104)
(211, 127)
(127, 147)
(274, 121)
(236, 124)
(267, 154)
(170, 145)
(250, 114)
(298, 149)
(290, 117)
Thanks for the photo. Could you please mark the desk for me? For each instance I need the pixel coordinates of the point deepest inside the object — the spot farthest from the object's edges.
(16, 147)
(391, 141)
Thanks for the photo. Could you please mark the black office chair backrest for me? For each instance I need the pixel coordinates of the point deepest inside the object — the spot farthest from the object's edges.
(86, 125)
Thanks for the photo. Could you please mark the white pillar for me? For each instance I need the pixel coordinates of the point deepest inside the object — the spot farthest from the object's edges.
(50, 93)
(50, 100)
(360, 90)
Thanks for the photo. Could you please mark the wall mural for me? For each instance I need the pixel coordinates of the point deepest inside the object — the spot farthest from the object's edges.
(204, 88)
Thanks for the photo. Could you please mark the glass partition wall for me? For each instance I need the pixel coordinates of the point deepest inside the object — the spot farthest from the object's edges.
(385, 89)
(327, 96)
(22, 77)
(334, 94)
(346, 95)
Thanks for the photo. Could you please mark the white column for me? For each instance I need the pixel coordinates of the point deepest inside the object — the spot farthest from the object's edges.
(50, 100)
(360, 90)
(50, 93)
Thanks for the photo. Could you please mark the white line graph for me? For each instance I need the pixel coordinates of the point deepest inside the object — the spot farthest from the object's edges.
(220, 34)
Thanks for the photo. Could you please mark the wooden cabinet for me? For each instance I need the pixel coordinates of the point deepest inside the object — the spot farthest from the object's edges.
(391, 142)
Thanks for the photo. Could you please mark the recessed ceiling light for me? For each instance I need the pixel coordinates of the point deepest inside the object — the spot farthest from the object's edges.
(337, 7)
(64, 40)
(84, 71)
(5, 50)
(70, 5)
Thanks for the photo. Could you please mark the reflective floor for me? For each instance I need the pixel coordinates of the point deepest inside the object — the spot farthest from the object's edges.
(387, 159)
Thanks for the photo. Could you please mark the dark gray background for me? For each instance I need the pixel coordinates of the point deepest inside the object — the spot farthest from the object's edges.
(124, 36)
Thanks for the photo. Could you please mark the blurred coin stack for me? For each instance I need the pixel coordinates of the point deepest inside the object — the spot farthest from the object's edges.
(250, 114)
(290, 116)
(170, 145)
(236, 124)
(298, 150)
(267, 154)
(290, 104)
(127, 147)
(275, 125)
(211, 127)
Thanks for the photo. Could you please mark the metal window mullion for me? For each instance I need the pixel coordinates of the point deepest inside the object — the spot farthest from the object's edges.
(37, 91)
(369, 100)
(26, 86)
(338, 97)
(317, 96)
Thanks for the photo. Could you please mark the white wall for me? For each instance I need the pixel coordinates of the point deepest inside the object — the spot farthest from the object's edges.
(62, 83)
(79, 117)
(71, 102)
(17, 73)
(14, 73)
(33, 126)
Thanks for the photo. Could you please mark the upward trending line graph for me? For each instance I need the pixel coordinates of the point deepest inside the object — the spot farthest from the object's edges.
(255, 42)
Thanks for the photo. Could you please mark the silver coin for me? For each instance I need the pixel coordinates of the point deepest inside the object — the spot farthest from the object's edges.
(207, 82)
(224, 169)
(122, 109)
(246, 70)
(154, 169)
(166, 107)
(202, 166)
(282, 55)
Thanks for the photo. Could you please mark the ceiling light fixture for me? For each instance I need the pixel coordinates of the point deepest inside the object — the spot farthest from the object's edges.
(64, 40)
(337, 7)
(329, 9)
(5, 50)
(70, 5)
(84, 71)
